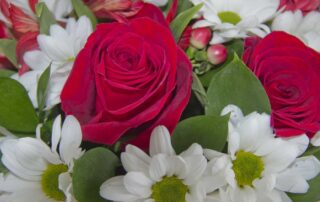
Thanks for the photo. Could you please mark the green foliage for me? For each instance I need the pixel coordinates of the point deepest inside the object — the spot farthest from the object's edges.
(16, 110)
(8, 48)
(179, 24)
(208, 131)
(42, 90)
(81, 9)
(4, 73)
(236, 84)
(46, 18)
(90, 171)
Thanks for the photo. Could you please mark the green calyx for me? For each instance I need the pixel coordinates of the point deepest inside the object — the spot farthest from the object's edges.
(50, 181)
(169, 189)
(229, 17)
(247, 167)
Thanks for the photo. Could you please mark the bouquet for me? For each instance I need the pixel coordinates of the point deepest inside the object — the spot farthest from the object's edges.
(160, 100)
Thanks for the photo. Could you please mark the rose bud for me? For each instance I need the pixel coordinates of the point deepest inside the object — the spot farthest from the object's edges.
(200, 37)
(217, 54)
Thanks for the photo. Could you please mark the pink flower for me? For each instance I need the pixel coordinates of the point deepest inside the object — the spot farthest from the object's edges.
(304, 5)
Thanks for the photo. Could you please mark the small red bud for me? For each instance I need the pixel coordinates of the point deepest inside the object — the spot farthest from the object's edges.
(200, 37)
(217, 54)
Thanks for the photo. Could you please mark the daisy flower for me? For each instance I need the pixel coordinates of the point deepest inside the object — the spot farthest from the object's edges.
(258, 167)
(59, 49)
(232, 19)
(306, 28)
(39, 173)
(161, 177)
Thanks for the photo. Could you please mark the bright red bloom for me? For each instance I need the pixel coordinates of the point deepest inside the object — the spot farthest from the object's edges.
(129, 78)
(290, 74)
(304, 5)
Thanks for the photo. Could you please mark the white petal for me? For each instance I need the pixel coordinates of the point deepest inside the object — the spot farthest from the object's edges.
(196, 166)
(159, 167)
(302, 141)
(160, 142)
(71, 137)
(235, 113)
(137, 183)
(56, 133)
(308, 167)
(177, 167)
(114, 189)
(212, 154)
(194, 149)
(36, 60)
(289, 182)
(131, 162)
(315, 141)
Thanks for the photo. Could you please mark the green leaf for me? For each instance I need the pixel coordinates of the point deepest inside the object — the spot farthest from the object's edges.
(8, 48)
(182, 20)
(313, 193)
(199, 91)
(182, 6)
(236, 84)
(90, 171)
(81, 9)
(208, 131)
(4, 73)
(46, 18)
(16, 110)
(42, 89)
(235, 46)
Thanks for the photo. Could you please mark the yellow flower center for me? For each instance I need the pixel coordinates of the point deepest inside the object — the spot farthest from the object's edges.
(229, 17)
(50, 181)
(169, 189)
(247, 167)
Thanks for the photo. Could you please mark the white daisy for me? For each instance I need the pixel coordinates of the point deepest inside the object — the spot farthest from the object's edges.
(39, 173)
(258, 166)
(59, 49)
(59, 8)
(306, 28)
(161, 177)
(236, 18)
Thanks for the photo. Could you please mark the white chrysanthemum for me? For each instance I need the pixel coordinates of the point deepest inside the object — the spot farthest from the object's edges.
(259, 166)
(161, 177)
(39, 173)
(59, 8)
(236, 18)
(58, 49)
(306, 28)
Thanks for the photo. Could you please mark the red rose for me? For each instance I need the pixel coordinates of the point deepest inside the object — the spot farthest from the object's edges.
(290, 73)
(303, 5)
(129, 78)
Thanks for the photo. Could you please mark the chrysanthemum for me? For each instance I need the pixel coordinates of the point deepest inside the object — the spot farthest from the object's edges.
(39, 173)
(161, 177)
(258, 166)
(58, 49)
(236, 18)
(306, 28)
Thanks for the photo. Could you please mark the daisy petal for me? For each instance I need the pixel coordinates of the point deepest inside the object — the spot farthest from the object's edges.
(160, 142)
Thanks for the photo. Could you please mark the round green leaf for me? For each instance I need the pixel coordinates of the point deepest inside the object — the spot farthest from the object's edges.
(16, 110)
(90, 171)
(208, 131)
(236, 84)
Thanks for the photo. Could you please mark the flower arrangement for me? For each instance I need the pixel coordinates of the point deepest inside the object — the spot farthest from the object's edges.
(159, 101)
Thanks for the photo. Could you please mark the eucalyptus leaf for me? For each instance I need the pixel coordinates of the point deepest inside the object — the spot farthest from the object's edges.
(199, 90)
(236, 84)
(90, 171)
(208, 131)
(42, 89)
(81, 9)
(313, 194)
(46, 18)
(8, 48)
(179, 24)
(16, 110)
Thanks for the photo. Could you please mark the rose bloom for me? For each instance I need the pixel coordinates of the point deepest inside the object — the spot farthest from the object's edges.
(129, 78)
(290, 74)
(304, 5)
